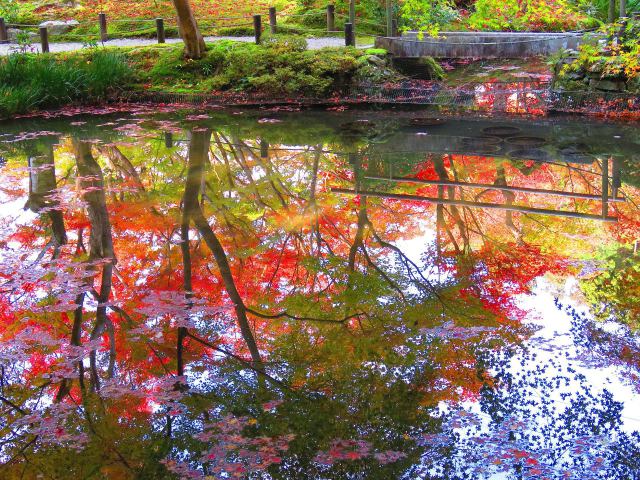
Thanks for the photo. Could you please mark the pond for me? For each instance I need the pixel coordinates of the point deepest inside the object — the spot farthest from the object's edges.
(319, 294)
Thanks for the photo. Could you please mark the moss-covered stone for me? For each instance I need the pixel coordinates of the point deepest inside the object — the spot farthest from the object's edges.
(611, 67)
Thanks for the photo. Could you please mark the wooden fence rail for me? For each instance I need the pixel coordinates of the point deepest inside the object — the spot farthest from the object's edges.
(103, 23)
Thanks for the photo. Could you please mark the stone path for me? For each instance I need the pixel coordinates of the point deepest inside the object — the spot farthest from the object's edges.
(313, 43)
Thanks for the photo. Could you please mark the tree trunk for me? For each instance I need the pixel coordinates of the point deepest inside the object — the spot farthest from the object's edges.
(611, 17)
(194, 46)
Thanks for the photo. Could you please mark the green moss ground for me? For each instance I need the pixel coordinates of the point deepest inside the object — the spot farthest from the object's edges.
(281, 66)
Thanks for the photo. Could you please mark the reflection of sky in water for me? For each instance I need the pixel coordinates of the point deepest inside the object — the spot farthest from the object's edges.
(556, 340)
(553, 344)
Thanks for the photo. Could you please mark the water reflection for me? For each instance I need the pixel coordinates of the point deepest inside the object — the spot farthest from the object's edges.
(315, 295)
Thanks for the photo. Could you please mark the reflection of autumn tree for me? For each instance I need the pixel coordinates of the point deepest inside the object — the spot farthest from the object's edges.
(235, 257)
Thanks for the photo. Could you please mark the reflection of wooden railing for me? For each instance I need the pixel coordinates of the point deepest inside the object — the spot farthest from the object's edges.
(490, 186)
(465, 203)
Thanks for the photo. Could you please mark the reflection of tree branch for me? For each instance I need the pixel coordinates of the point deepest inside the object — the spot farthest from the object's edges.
(275, 272)
(259, 371)
(440, 169)
(359, 238)
(131, 323)
(122, 164)
(393, 284)
(286, 314)
(358, 244)
(8, 402)
(425, 284)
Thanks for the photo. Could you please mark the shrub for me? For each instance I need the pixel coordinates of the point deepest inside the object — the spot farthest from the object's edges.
(600, 8)
(534, 15)
(44, 81)
(235, 31)
(371, 14)
(14, 11)
(426, 16)
(619, 61)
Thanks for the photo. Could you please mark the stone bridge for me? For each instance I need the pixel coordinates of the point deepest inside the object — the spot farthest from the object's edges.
(482, 44)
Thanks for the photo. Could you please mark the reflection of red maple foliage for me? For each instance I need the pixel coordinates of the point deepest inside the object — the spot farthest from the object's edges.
(321, 278)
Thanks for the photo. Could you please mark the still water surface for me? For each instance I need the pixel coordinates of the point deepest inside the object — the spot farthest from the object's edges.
(298, 295)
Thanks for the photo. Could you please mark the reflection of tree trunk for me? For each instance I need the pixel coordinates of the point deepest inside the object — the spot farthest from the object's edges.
(190, 198)
(198, 153)
(363, 221)
(440, 169)
(42, 185)
(76, 333)
(313, 206)
(100, 243)
(363, 225)
(122, 164)
(509, 198)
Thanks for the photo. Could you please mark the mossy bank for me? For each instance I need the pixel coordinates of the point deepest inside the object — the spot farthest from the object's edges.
(281, 67)
(611, 65)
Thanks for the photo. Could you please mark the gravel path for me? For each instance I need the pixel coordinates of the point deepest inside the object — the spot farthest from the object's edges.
(313, 43)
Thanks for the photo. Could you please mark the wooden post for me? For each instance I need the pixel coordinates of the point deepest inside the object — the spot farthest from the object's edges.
(160, 30)
(273, 21)
(352, 12)
(389, 18)
(605, 187)
(623, 8)
(616, 178)
(4, 34)
(168, 139)
(102, 21)
(394, 27)
(331, 18)
(44, 39)
(257, 28)
(611, 17)
(349, 37)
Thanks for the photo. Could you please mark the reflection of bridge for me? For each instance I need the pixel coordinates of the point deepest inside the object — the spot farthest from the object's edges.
(526, 97)
(604, 197)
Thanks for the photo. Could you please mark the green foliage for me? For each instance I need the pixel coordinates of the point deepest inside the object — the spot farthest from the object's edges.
(14, 11)
(428, 16)
(236, 31)
(617, 60)
(285, 43)
(370, 14)
(614, 290)
(44, 81)
(600, 8)
(532, 15)
(380, 52)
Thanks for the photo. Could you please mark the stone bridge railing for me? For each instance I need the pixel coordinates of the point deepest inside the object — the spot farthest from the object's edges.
(482, 44)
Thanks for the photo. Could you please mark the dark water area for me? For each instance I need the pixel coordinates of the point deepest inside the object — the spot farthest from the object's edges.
(326, 295)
